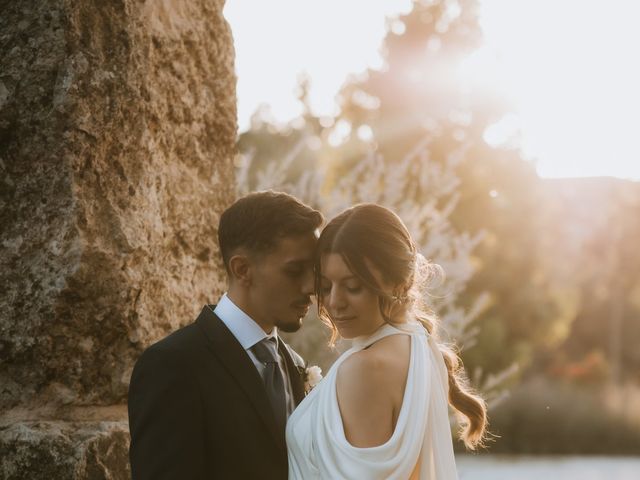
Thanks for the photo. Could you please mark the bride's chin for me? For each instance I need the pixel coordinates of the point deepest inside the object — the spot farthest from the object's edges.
(344, 333)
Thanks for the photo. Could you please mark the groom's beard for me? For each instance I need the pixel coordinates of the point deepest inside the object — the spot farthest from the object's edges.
(292, 320)
(290, 326)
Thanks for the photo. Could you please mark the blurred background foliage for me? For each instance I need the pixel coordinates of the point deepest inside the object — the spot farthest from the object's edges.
(546, 272)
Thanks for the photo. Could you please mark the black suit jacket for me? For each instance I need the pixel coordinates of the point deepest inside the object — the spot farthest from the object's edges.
(198, 408)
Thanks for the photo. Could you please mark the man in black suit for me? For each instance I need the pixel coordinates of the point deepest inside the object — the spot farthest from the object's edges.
(210, 400)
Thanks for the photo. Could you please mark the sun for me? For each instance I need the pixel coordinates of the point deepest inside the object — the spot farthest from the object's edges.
(571, 71)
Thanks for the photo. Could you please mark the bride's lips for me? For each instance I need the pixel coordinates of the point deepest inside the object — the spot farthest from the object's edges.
(341, 320)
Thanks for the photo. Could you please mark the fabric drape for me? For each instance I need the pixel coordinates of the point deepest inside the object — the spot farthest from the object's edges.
(318, 448)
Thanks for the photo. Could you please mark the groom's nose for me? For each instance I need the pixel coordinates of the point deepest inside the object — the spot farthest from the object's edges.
(308, 282)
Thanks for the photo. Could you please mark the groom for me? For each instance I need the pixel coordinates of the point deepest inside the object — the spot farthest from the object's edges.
(210, 400)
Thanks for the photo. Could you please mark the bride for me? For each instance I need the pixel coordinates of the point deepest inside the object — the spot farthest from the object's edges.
(381, 412)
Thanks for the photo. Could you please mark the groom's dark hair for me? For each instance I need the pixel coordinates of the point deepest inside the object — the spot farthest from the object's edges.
(256, 222)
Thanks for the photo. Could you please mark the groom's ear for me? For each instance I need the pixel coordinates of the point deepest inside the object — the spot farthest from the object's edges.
(240, 269)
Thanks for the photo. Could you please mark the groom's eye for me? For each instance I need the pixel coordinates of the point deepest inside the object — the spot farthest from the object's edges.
(294, 271)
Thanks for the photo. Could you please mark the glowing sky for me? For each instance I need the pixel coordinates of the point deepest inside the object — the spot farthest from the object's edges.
(570, 67)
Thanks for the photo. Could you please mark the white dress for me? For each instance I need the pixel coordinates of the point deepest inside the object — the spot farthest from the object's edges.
(318, 448)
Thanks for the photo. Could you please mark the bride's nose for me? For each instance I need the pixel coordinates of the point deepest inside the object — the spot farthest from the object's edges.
(336, 300)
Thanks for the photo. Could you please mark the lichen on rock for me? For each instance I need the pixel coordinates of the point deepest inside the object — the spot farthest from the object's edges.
(117, 135)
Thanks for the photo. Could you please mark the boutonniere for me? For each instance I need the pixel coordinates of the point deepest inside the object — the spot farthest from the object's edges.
(311, 376)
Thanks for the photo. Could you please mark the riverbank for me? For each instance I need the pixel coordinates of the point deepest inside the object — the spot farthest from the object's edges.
(524, 467)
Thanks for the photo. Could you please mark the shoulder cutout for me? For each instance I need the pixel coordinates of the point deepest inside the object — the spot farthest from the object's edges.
(370, 389)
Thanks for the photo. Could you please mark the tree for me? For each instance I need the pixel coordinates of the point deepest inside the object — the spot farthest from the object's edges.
(421, 94)
(419, 98)
(598, 228)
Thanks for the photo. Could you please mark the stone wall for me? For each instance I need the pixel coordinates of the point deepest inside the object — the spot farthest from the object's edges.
(117, 134)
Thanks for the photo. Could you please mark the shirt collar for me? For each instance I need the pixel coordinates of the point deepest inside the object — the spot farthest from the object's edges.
(242, 326)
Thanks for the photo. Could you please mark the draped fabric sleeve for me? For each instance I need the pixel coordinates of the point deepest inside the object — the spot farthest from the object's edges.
(318, 447)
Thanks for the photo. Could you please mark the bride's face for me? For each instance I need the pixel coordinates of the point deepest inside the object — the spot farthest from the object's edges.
(353, 308)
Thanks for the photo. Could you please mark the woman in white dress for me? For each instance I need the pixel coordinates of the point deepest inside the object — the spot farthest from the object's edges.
(381, 412)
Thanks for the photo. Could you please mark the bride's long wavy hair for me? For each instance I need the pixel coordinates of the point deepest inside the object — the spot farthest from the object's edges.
(369, 234)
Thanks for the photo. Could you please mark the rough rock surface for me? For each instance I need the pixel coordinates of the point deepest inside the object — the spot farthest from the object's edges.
(57, 450)
(63, 450)
(117, 135)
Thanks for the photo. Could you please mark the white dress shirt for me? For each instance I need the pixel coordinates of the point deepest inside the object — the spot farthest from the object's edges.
(248, 333)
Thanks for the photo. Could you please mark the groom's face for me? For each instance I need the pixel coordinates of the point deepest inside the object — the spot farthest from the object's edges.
(282, 282)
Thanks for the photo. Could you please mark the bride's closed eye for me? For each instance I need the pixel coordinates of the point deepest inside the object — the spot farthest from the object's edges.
(354, 288)
(325, 289)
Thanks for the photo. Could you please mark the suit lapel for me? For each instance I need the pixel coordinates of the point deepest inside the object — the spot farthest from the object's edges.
(295, 375)
(236, 361)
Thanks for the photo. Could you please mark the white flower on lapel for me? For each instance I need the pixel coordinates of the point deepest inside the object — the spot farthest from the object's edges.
(312, 376)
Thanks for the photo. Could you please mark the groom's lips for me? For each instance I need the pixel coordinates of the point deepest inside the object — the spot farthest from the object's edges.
(302, 308)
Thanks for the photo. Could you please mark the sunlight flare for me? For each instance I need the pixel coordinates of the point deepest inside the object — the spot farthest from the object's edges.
(571, 70)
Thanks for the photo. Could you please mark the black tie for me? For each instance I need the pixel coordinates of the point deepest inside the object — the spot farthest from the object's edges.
(266, 352)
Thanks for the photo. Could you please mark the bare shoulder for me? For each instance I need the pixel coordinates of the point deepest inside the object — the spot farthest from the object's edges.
(393, 345)
(386, 358)
(370, 388)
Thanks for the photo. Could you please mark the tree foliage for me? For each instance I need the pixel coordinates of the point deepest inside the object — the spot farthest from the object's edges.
(532, 293)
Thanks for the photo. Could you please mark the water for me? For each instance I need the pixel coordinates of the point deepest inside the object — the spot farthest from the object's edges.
(507, 467)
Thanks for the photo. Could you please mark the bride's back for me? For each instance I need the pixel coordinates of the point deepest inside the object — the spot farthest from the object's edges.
(370, 389)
